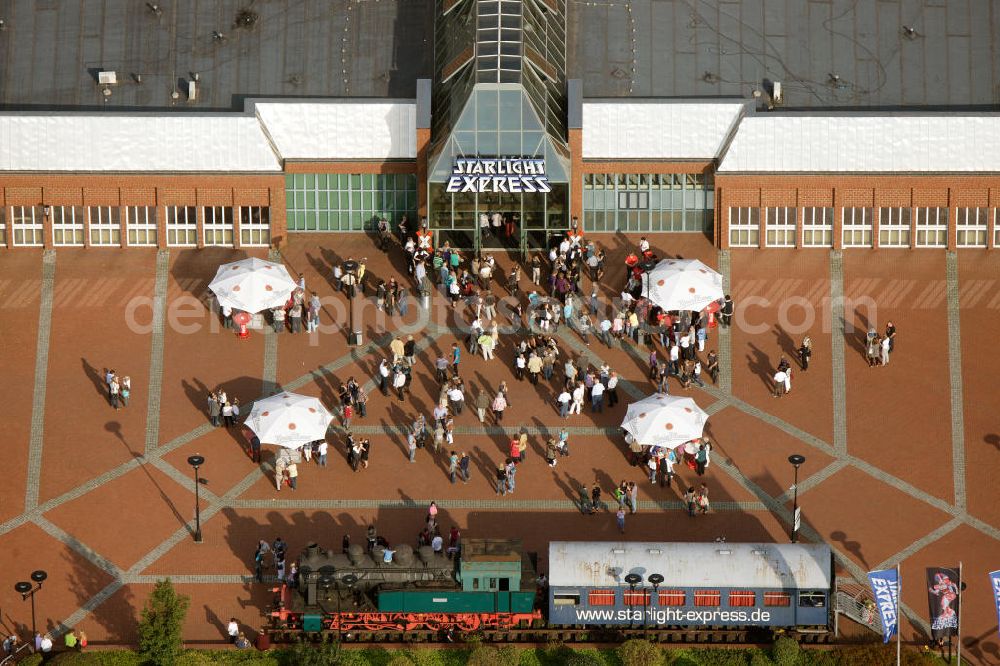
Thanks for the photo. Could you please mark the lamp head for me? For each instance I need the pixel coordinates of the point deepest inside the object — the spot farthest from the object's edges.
(38, 576)
(22, 587)
(633, 579)
(796, 459)
(655, 579)
(196, 460)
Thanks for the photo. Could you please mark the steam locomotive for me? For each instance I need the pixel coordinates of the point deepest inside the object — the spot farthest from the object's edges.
(700, 591)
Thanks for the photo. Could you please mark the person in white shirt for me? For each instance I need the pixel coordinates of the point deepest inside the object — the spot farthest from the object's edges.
(643, 245)
(597, 397)
(46, 643)
(437, 545)
(564, 400)
(233, 629)
(577, 405)
(321, 453)
(780, 379)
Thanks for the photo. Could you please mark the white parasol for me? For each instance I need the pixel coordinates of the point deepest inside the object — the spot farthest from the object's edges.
(683, 284)
(663, 420)
(289, 420)
(252, 285)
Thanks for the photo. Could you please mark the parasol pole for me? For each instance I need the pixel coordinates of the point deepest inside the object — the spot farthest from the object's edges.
(959, 628)
(899, 624)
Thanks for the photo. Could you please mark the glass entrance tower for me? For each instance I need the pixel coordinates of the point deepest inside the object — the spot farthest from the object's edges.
(499, 91)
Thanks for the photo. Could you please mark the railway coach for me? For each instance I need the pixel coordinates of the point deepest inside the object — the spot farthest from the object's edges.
(690, 585)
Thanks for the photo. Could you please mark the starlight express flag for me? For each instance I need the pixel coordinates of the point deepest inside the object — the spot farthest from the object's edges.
(885, 587)
(517, 176)
(995, 586)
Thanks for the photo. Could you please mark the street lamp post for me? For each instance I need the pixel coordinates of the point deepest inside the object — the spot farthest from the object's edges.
(633, 579)
(27, 591)
(656, 579)
(795, 459)
(196, 461)
(351, 268)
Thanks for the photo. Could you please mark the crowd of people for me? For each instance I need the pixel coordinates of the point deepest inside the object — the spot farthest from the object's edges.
(119, 388)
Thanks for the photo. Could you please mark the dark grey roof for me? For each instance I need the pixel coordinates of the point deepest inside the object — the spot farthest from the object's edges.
(698, 48)
(51, 50)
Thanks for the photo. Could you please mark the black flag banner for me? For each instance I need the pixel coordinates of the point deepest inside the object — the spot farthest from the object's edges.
(942, 600)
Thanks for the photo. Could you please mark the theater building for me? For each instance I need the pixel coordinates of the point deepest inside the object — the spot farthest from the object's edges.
(497, 133)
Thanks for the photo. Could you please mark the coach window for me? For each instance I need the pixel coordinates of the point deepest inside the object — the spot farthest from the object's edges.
(817, 227)
(671, 598)
(601, 598)
(67, 225)
(777, 599)
(26, 225)
(973, 227)
(742, 598)
(255, 226)
(858, 225)
(812, 599)
(894, 227)
(744, 227)
(182, 226)
(566, 599)
(780, 227)
(707, 598)
(637, 598)
(140, 226)
(105, 225)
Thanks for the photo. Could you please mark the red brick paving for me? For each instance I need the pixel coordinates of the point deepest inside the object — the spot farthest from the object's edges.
(842, 508)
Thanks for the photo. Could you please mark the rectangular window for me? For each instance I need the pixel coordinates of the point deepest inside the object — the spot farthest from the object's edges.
(105, 225)
(812, 599)
(744, 227)
(563, 599)
(601, 598)
(26, 226)
(932, 227)
(894, 227)
(67, 225)
(255, 226)
(707, 598)
(672, 598)
(140, 226)
(3, 227)
(742, 598)
(637, 598)
(780, 227)
(973, 227)
(633, 200)
(858, 224)
(817, 227)
(218, 225)
(182, 226)
(777, 599)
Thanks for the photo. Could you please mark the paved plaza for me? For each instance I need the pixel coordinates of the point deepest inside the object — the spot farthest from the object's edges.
(898, 465)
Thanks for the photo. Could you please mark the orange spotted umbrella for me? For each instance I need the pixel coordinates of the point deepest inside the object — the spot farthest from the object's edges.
(664, 420)
(252, 285)
(683, 284)
(289, 420)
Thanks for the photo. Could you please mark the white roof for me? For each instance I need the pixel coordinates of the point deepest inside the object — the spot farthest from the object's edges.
(341, 130)
(657, 130)
(723, 565)
(865, 143)
(134, 142)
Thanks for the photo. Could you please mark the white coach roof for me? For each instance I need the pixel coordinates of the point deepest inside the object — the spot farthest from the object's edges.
(739, 565)
(341, 130)
(865, 143)
(657, 130)
(134, 142)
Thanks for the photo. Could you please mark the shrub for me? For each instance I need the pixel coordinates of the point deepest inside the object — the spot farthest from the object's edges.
(160, 639)
(399, 659)
(486, 655)
(758, 658)
(584, 659)
(786, 651)
(640, 652)
(720, 657)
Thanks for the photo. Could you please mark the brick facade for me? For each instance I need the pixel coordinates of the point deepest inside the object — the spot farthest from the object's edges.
(855, 191)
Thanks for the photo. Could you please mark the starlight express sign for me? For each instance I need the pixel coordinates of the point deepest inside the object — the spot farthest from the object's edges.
(498, 175)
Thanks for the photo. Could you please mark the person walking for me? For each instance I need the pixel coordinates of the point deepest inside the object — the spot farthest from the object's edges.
(780, 378)
(726, 311)
(713, 366)
(563, 401)
(633, 496)
(702, 499)
(499, 405)
(578, 393)
(411, 446)
(585, 506)
(689, 500)
(293, 475)
(653, 464)
(805, 353)
(456, 358)
(597, 397)
(595, 499)
(886, 349)
(501, 480)
(482, 404)
(452, 466)
(701, 458)
(620, 519)
(463, 466)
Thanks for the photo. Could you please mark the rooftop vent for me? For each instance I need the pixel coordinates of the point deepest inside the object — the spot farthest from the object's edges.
(107, 78)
